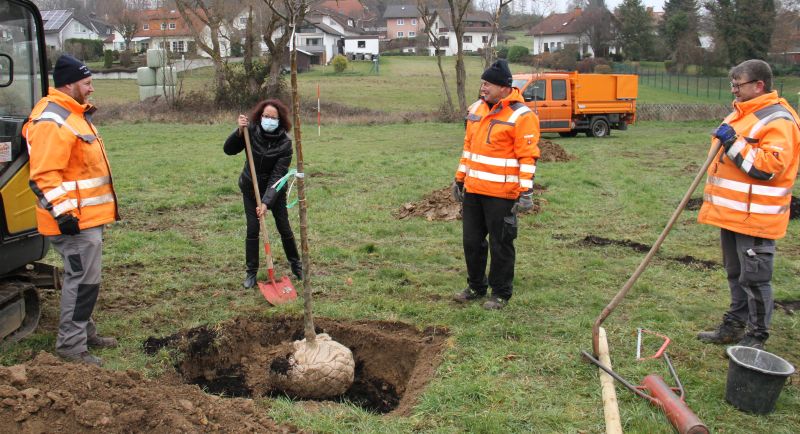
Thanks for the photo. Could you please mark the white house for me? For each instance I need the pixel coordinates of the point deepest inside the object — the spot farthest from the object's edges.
(477, 32)
(63, 24)
(559, 30)
(362, 47)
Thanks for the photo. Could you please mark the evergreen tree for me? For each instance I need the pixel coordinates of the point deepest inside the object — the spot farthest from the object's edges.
(635, 32)
(679, 30)
(743, 27)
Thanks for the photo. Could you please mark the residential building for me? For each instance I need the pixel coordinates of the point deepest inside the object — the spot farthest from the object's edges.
(166, 28)
(477, 32)
(403, 21)
(557, 31)
(63, 24)
(361, 47)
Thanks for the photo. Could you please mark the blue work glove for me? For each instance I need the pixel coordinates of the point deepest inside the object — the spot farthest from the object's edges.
(269, 198)
(68, 224)
(458, 191)
(525, 201)
(726, 134)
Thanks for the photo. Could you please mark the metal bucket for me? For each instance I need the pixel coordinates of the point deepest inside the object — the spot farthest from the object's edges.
(755, 379)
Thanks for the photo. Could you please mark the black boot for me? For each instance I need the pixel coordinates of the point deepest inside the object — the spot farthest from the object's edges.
(290, 248)
(251, 261)
(729, 332)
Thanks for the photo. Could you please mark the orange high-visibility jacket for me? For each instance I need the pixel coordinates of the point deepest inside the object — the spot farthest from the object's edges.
(500, 148)
(749, 188)
(69, 168)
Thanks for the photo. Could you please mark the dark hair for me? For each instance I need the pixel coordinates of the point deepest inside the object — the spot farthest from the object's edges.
(753, 69)
(283, 113)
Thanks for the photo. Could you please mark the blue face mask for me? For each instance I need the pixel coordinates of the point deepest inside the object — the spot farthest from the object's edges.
(269, 125)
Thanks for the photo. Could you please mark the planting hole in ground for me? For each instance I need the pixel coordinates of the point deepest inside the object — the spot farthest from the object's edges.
(394, 362)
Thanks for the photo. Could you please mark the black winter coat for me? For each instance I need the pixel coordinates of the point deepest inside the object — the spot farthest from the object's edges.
(272, 155)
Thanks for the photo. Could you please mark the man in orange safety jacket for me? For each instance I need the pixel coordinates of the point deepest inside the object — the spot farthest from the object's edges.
(747, 195)
(494, 181)
(71, 178)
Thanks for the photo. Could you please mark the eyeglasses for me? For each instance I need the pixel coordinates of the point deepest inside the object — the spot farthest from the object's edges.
(737, 86)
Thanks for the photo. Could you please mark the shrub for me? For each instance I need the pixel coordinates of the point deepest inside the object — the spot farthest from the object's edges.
(516, 53)
(502, 52)
(339, 63)
(602, 69)
(108, 59)
(84, 49)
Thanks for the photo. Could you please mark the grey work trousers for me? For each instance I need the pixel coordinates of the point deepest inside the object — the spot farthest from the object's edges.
(82, 255)
(748, 262)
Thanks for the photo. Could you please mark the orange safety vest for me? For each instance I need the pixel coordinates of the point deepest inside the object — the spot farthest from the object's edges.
(69, 168)
(500, 148)
(749, 188)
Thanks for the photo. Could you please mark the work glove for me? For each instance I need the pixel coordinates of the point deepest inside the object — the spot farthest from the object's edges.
(525, 201)
(458, 191)
(726, 134)
(68, 224)
(269, 198)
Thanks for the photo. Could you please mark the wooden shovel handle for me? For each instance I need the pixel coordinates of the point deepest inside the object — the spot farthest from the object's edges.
(249, 149)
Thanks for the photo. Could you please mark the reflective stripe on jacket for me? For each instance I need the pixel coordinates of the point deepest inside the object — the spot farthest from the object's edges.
(749, 188)
(500, 148)
(69, 168)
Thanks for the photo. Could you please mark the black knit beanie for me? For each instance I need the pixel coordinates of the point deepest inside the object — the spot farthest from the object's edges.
(498, 73)
(69, 70)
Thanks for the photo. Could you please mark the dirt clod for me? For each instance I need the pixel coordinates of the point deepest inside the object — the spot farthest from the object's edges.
(440, 206)
(552, 152)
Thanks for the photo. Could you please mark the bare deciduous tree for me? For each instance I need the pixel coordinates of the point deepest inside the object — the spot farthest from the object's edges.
(458, 9)
(430, 18)
(489, 51)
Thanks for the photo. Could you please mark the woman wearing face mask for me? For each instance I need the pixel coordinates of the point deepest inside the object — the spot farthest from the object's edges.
(269, 126)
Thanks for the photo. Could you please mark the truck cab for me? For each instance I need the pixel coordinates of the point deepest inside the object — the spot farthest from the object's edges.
(569, 102)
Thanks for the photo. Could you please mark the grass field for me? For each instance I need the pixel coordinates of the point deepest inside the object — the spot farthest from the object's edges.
(175, 261)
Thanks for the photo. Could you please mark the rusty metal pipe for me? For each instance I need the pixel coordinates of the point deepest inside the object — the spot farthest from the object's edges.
(646, 261)
(678, 413)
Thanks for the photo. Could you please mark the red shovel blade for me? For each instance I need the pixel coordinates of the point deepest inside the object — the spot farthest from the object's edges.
(278, 291)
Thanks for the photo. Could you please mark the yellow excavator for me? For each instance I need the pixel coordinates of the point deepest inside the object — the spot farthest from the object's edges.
(23, 81)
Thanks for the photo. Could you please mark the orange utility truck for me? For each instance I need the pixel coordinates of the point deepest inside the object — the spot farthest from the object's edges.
(569, 102)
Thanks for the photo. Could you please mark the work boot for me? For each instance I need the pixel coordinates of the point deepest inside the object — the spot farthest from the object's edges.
(468, 294)
(727, 333)
(101, 342)
(495, 303)
(249, 279)
(293, 256)
(251, 261)
(752, 342)
(83, 357)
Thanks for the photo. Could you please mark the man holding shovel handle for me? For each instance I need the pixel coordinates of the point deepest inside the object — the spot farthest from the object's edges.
(747, 195)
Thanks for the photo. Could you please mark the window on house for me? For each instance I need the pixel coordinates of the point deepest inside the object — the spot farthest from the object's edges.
(401, 22)
(558, 45)
(468, 39)
(362, 44)
(146, 26)
(163, 26)
(350, 23)
(412, 34)
(559, 89)
(485, 39)
(400, 34)
(546, 47)
(413, 21)
(172, 26)
(178, 47)
(314, 41)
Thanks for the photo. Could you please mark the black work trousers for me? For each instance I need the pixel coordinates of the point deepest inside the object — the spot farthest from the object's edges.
(281, 216)
(492, 216)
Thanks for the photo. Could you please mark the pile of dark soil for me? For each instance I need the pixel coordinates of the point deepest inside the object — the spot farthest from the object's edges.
(552, 152)
(440, 205)
(48, 395)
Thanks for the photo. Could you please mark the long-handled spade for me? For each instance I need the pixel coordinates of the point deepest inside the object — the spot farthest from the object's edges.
(319, 367)
(280, 291)
(674, 407)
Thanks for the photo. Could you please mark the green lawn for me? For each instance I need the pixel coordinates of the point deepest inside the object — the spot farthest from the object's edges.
(176, 261)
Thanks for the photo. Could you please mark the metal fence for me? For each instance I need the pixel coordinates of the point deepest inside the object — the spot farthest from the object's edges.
(711, 87)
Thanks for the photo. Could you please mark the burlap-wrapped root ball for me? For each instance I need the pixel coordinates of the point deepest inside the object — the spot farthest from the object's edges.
(322, 370)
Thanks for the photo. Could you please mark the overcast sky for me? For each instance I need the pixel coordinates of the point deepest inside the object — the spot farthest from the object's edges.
(561, 5)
